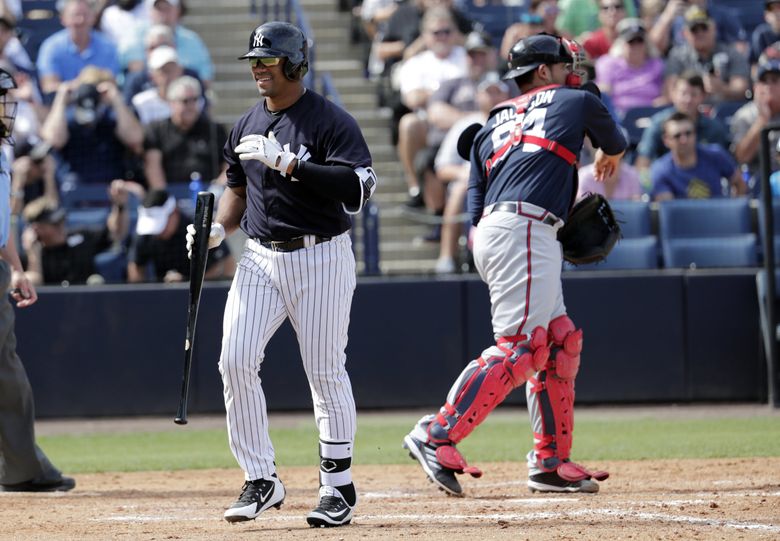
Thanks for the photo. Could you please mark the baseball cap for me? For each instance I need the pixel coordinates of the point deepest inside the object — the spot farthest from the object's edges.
(492, 79)
(42, 211)
(478, 41)
(630, 28)
(695, 15)
(162, 55)
(154, 212)
(768, 66)
(151, 3)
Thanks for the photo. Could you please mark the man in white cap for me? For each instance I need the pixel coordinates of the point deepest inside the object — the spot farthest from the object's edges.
(164, 68)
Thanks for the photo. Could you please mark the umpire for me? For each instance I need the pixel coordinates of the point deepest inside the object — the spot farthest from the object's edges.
(298, 166)
(23, 466)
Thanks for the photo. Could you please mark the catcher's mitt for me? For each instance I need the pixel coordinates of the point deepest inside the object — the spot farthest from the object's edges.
(590, 232)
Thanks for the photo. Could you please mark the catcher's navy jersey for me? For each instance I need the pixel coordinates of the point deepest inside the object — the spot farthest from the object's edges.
(316, 130)
(521, 171)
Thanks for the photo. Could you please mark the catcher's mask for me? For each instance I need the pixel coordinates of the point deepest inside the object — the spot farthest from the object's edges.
(280, 40)
(531, 52)
(7, 106)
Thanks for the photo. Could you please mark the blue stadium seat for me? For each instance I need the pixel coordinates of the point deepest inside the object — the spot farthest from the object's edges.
(724, 111)
(749, 12)
(636, 120)
(633, 216)
(494, 18)
(39, 21)
(84, 195)
(696, 218)
(707, 233)
(732, 251)
(775, 226)
(86, 218)
(112, 265)
(628, 254)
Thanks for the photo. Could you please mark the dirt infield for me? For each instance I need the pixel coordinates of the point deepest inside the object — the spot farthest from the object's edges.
(659, 500)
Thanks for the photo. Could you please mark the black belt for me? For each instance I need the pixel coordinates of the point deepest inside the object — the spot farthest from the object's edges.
(290, 245)
(516, 207)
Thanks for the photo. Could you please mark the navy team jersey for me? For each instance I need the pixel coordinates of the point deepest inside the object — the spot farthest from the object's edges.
(279, 208)
(526, 172)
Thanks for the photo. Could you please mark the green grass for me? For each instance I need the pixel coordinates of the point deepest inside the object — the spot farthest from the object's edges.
(504, 436)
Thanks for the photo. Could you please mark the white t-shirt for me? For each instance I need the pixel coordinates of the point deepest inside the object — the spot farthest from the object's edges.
(150, 106)
(426, 71)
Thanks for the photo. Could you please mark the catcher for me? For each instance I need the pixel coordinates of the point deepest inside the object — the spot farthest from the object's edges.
(523, 181)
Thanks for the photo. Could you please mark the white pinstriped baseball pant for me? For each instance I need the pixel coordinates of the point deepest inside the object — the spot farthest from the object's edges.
(313, 287)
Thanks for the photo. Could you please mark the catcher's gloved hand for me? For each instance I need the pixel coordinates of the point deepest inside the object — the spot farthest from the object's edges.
(590, 232)
(266, 150)
(216, 236)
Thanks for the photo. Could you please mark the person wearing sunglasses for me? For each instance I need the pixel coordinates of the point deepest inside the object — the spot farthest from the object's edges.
(690, 170)
(725, 69)
(298, 168)
(598, 42)
(668, 29)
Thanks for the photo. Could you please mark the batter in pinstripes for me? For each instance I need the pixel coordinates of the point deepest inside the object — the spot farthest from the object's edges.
(298, 166)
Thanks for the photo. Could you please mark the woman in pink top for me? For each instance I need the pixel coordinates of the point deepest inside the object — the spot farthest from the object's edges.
(623, 184)
(630, 73)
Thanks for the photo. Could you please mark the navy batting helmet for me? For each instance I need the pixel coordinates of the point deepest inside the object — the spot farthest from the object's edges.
(531, 52)
(279, 39)
(7, 107)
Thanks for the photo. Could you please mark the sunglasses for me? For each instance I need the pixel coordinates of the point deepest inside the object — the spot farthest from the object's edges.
(188, 101)
(636, 41)
(267, 62)
(681, 134)
(696, 28)
(613, 7)
(443, 32)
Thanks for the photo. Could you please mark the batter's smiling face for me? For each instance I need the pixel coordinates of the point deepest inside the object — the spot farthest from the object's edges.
(270, 80)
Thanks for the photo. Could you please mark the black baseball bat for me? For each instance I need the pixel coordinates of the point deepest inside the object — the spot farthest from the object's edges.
(204, 208)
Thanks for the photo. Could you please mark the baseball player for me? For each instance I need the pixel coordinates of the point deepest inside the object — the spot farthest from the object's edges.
(298, 166)
(522, 183)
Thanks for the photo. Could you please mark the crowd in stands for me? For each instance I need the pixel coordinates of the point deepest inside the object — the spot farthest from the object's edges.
(693, 82)
(113, 123)
(112, 127)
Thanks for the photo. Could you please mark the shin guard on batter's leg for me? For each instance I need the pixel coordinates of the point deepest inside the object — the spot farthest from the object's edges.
(553, 388)
(482, 386)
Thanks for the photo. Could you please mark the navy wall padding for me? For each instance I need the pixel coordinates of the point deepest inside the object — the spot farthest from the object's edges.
(724, 351)
(650, 336)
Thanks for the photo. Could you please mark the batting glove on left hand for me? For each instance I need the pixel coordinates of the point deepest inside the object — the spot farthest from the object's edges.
(216, 236)
(266, 150)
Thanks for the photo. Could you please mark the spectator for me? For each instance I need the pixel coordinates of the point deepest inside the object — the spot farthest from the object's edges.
(725, 70)
(56, 255)
(669, 29)
(529, 24)
(122, 19)
(164, 68)
(33, 175)
(630, 73)
(374, 16)
(92, 128)
(766, 33)
(579, 16)
(598, 42)
(548, 10)
(193, 53)
(160, 242)
(187, 142)
(25, 467)
(453, 171)
(64, 54)
(751, 118)
(688, 94)
(11, 48)
(454, 99)
(29, 108)
(158, 35)
(623, 183)
(691, 170)
(420, 76)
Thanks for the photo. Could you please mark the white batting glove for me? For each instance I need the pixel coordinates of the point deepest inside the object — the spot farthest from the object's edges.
(266, 150)
(216, 236)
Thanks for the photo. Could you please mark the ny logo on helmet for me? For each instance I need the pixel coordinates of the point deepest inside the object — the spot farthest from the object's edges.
(259, 41)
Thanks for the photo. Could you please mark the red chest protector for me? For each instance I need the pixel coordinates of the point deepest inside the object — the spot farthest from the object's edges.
(520, 104)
